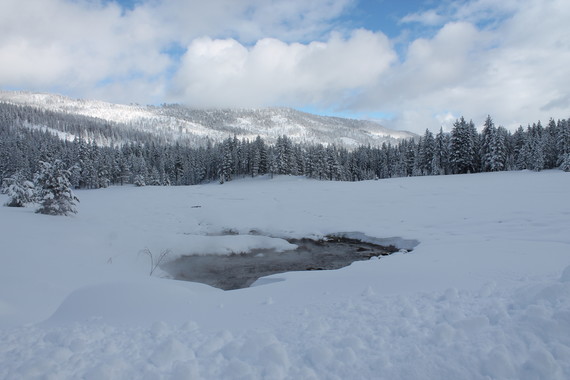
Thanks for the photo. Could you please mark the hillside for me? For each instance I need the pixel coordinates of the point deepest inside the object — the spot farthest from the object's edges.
(197, 126)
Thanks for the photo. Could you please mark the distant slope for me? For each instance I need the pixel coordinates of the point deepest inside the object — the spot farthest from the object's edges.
(179, 123)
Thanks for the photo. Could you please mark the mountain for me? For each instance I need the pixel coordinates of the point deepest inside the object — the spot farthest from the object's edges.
(173, 123)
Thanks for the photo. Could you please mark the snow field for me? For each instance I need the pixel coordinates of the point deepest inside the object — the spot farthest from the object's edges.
(486, 293)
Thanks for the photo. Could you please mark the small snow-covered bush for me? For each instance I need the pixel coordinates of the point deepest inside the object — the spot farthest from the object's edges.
(19, 189)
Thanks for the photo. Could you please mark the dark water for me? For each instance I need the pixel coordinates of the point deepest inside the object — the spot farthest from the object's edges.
(238, 271)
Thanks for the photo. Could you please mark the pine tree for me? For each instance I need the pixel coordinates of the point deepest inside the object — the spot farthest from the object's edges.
(20, 190)
(272, 163)
(462, 147)
(475, 148)
(54, 189)
(493, 150)
(409, 149)
(549, 145)
(333, 169)
(563, 140)
(536, 156)
(139, 180)
(283, 153)
(499, 147)
(487, 136)
(225, 169)
(519, 149)
(426, 150)
(440, 162)
(565, 165)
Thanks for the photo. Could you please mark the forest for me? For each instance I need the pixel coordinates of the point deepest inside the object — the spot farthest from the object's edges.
(29, 136)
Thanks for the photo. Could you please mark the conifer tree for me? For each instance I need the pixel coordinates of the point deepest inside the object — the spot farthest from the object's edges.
(20, 190)
(492, 147)
(440, 162)
(139, 180)
(426, 149)
(565, 165)
(54, 189)
(549, 145)
(535, 148)
(563, 140)
(227, 162)
(519, 143)
(462, 147)
(255, 161)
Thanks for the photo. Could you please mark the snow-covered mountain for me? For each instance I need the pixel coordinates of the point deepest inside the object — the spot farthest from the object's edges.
(176, 122)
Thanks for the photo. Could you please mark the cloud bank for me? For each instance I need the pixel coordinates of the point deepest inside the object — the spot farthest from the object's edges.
(509, 59)
(273, 72)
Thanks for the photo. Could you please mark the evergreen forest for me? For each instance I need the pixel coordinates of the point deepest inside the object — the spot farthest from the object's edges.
(130, 157)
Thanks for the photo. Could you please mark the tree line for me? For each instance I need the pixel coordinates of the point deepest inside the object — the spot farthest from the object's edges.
(140, 160)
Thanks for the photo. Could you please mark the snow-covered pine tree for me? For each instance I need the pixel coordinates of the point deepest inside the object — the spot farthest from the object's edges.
(410, 157)
(536, 157)
(391, 160)
(563, 140)
(549, 136)
(54, 189)
(255, 161)
(519, 139)
(426, 149)
(475, 147)
(487, 136)
(500, 149)
(462, 154)
(565, 165)
(139, 168)
(139, 180)
(19, 189)
(440, 162)
(493, 150)
(282, 155)
(333, 169)
(272, 163)
(227, 163)
(154, 178)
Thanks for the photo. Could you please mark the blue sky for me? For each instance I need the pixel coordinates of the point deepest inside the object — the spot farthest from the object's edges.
(408, 64)
(384, 15)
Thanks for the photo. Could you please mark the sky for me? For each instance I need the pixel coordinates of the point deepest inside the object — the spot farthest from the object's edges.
(411, 65)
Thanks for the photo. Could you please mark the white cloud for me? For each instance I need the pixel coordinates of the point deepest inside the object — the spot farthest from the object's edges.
(473, 11)
(226, 73)
(85, 47)
(74, 45)
(430, 17)
(516, 71)
(248, 20)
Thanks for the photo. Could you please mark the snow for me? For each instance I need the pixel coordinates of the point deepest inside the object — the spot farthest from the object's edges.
(485, 293)
(65, 136)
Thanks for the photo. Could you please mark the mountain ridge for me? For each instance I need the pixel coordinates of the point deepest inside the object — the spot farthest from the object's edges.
(174, 122)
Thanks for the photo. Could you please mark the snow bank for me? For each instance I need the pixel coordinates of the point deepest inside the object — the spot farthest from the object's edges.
(489, 333)
(398, 242)
(227, 245)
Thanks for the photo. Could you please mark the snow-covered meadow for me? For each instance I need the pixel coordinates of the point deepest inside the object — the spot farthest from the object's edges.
(485, 294)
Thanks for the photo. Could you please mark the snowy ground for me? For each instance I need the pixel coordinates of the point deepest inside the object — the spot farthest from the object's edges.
(485, 295)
